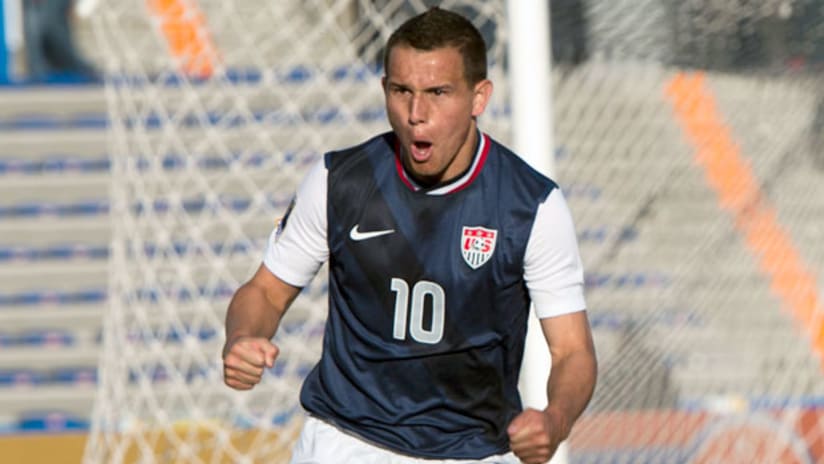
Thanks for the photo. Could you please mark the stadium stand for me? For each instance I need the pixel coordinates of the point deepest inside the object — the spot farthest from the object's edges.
(665, 219)
(54, 234)
(691, 341)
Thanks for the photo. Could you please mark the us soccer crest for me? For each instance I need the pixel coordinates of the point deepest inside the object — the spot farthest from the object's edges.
(281, 223)
(477, 245)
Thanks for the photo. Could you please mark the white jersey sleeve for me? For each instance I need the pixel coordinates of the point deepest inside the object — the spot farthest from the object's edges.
(553, 270)
(297, 248)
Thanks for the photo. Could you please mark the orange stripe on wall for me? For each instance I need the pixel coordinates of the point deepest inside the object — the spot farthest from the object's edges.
(733, 180)
(184, 28)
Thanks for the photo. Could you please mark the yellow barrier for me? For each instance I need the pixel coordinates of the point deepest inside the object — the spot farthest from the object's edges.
(42, 448)
(185, 442)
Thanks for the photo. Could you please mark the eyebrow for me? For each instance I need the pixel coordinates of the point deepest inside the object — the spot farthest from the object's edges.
(433, 88)
(439, 87)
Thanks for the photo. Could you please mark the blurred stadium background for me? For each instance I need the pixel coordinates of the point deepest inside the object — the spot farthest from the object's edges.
(688, 140)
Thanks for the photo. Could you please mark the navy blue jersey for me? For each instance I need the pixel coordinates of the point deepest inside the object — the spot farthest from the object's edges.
(428, 306)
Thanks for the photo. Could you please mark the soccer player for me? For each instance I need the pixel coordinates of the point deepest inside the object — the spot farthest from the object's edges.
(438, 239)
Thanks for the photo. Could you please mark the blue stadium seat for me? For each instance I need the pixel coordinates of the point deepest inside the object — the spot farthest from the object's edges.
(18, 378)
(61, 297)
(75, 376)
(51, 421)
(54, 252)
(47, 338)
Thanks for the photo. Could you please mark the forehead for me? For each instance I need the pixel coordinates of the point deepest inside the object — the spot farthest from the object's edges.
(411, 65)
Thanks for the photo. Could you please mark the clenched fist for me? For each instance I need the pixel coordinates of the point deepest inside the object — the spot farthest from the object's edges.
(244, 360)
(535, 435)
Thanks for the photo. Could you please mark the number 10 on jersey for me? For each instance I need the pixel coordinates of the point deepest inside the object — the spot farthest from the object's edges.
(414, 312)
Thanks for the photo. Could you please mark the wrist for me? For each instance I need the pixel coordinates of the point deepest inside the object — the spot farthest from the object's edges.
(558, 421)
(231, 339)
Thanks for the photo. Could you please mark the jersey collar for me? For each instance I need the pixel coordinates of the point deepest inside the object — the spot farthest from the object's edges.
(456, 185)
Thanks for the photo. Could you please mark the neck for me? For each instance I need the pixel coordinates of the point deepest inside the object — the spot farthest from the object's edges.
(459, 166)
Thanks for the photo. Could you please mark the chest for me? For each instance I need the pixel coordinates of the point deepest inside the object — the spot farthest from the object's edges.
(458, 239)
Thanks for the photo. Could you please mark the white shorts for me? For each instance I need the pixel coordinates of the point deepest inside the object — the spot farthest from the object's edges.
(321, 443)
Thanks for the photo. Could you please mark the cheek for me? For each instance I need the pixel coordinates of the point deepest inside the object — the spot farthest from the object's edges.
(460, 112)
(458, 120)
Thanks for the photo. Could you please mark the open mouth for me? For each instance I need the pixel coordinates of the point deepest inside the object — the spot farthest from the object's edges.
(421, 150)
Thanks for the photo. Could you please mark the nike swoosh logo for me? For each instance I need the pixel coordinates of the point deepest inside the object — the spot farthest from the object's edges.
(357, 235)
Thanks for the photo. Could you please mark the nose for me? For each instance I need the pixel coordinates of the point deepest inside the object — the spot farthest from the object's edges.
(417, 109)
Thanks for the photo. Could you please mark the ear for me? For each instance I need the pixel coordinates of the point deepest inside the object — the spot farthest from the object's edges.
(383, 84)
(480, 97)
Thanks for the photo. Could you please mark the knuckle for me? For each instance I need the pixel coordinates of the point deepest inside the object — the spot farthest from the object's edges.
(230, 363)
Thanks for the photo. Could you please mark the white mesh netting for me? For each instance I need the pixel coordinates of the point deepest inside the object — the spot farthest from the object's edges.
(686, 136)
(688, 142)
(217, 108)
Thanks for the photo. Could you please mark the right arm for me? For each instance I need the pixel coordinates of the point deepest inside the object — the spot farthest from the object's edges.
(296, 250)
(252, 319)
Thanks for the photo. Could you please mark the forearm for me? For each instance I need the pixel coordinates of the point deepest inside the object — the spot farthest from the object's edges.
(570, 387)
(252, 314)
(534, 436)
(258, 306)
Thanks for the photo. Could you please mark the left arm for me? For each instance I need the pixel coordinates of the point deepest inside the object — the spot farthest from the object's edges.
(555, 279)
(535, 435)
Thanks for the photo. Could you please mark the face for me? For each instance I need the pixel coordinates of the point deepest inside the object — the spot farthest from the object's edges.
(432, 110)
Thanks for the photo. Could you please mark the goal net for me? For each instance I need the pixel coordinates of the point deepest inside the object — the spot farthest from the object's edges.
(687, 141)
(689, 146)
(217, 109)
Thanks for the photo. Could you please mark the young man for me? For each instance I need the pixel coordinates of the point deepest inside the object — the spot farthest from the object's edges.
(438, 239)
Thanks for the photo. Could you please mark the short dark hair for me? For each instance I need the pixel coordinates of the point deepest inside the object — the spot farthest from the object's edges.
(438, 28)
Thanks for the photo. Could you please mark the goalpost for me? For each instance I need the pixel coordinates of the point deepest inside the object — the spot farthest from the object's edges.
(685, 136)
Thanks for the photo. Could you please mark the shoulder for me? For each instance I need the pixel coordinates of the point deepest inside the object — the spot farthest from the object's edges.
(523, 176)
(378, 145)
